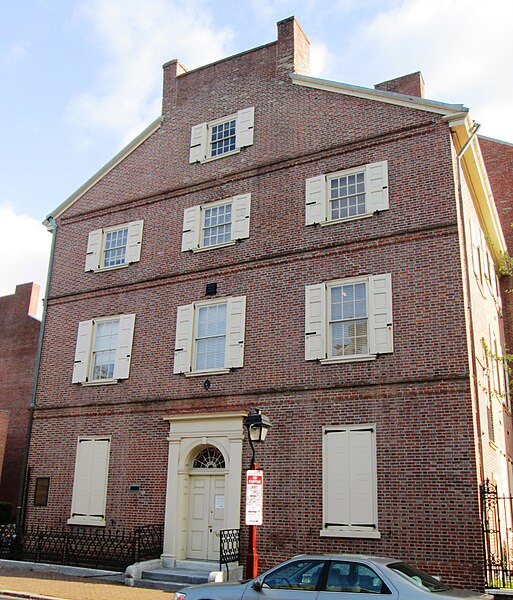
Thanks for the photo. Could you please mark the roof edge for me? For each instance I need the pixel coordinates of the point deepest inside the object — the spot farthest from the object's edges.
(434, 106)
(107, 168)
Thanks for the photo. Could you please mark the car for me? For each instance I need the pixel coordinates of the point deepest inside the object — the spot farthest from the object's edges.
(331, 576)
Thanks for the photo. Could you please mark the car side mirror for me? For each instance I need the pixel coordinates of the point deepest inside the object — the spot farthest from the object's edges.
(257, 585)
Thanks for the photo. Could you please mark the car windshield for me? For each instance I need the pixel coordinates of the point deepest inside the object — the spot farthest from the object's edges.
(419, 578)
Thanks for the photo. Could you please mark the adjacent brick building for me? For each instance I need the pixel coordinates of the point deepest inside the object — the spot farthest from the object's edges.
(19, 335)
(320, 251)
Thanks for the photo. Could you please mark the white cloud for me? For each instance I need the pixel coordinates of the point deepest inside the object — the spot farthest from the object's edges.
(25, 246)
(13, 55)
(462, 47)
(136, 39)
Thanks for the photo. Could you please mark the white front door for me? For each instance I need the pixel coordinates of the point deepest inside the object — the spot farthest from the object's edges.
(206, 516)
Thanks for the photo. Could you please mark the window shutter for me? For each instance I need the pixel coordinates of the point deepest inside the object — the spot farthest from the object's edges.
(99, 476)
(315, 321)
(336, 478)
(376, 186)
(241, 207)
(380, 314)
(198, 149)
(244, 127)
(235, 328)
(191, 228)
(94, 244)
(361, 478)
(85, 329)
(124, 346)
(183, 343)
(135, 229)
(315, 200)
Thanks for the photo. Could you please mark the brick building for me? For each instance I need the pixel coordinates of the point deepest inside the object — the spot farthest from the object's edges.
(19, 335)
(317, 250)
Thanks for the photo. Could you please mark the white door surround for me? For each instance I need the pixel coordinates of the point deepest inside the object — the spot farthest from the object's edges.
(189, 434)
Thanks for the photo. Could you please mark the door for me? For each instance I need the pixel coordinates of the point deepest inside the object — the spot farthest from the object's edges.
(206, 516)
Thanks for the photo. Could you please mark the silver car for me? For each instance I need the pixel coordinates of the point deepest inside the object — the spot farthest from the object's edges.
(352, 577)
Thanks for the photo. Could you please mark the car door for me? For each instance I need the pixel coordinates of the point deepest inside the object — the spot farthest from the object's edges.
(296, 580)
(353, 580)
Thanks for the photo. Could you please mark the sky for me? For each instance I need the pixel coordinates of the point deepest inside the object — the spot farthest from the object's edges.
(79, 79)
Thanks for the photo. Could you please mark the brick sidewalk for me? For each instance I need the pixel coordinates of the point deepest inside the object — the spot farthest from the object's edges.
(38, 584)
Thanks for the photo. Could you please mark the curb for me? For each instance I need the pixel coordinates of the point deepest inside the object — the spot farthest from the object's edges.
(28, 595)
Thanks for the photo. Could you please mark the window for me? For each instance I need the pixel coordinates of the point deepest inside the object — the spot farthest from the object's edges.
(215, 224)
(222, 137)
(114, 247)
(349, 194)
(349, 319)
(296, 575)
(210, 336)
(103, 349)
(90, 483)
(354, 577)
(349, 481)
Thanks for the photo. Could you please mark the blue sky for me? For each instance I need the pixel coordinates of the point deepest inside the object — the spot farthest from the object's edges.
(80, 78)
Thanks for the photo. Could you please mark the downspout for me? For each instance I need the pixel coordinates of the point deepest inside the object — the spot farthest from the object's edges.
(20, 509)
(473, 132)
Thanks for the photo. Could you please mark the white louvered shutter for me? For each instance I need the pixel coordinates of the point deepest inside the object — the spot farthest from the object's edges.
(380, 314)
(240, 216)
(183, 343)
(82, 351)
(244, 127)
(235, 329)
(315, 321)
(336, 478)
(191, 228)
(315, 200)
(99, 477)
(361, 479)
(82, 481)
(376, 186)
(124, 346)
(198, 149)
(94, 244)
(135, 230)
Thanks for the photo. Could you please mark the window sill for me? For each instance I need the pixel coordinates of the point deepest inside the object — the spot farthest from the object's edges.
(346, 359)
(203, 373)
(86, 521)
(346, 219)
(113, 268)
(350, 533)
(208, 159)
(213, 247)
(102, 382)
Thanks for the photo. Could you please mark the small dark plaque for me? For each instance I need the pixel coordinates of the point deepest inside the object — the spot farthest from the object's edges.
(41, 491)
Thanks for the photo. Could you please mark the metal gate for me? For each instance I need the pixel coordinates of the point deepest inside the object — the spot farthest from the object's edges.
(497, 524)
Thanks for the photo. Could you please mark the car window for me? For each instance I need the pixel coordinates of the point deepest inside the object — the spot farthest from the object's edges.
(419, 578)
(297, 575)
(346, 576)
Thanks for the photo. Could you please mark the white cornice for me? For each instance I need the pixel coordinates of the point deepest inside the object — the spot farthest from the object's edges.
(440, 108)
(120, 156)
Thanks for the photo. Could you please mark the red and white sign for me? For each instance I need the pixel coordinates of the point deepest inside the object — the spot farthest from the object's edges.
(254, 497)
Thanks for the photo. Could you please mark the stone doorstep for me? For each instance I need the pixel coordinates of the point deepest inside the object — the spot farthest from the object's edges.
(183, 574)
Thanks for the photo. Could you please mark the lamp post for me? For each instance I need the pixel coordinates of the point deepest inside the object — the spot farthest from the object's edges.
(257, 425)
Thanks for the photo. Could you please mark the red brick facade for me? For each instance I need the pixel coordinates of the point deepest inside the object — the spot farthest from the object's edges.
(19, 334)
(419, 398)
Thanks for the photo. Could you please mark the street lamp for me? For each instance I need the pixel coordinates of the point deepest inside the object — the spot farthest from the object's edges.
(257, 425)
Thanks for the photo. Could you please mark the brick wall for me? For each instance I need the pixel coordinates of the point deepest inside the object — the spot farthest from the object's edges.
(19, 333)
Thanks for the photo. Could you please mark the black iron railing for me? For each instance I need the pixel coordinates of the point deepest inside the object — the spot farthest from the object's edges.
(497, 525)
(83, 547)
(229, 548)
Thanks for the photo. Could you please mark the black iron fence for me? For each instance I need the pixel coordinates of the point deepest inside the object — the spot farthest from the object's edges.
(82, 546)
(497, 523)
(229, 547)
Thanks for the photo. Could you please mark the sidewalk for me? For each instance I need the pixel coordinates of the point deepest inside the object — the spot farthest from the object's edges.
(26, 582)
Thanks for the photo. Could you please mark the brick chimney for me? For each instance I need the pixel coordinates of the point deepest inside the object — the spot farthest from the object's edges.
(293, 52)
(172, 70)
(409, 85)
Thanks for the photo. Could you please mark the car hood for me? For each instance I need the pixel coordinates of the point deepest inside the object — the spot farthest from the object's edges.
(454, 593)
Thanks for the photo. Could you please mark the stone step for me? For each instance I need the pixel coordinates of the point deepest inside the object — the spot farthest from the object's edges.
(187, 576)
